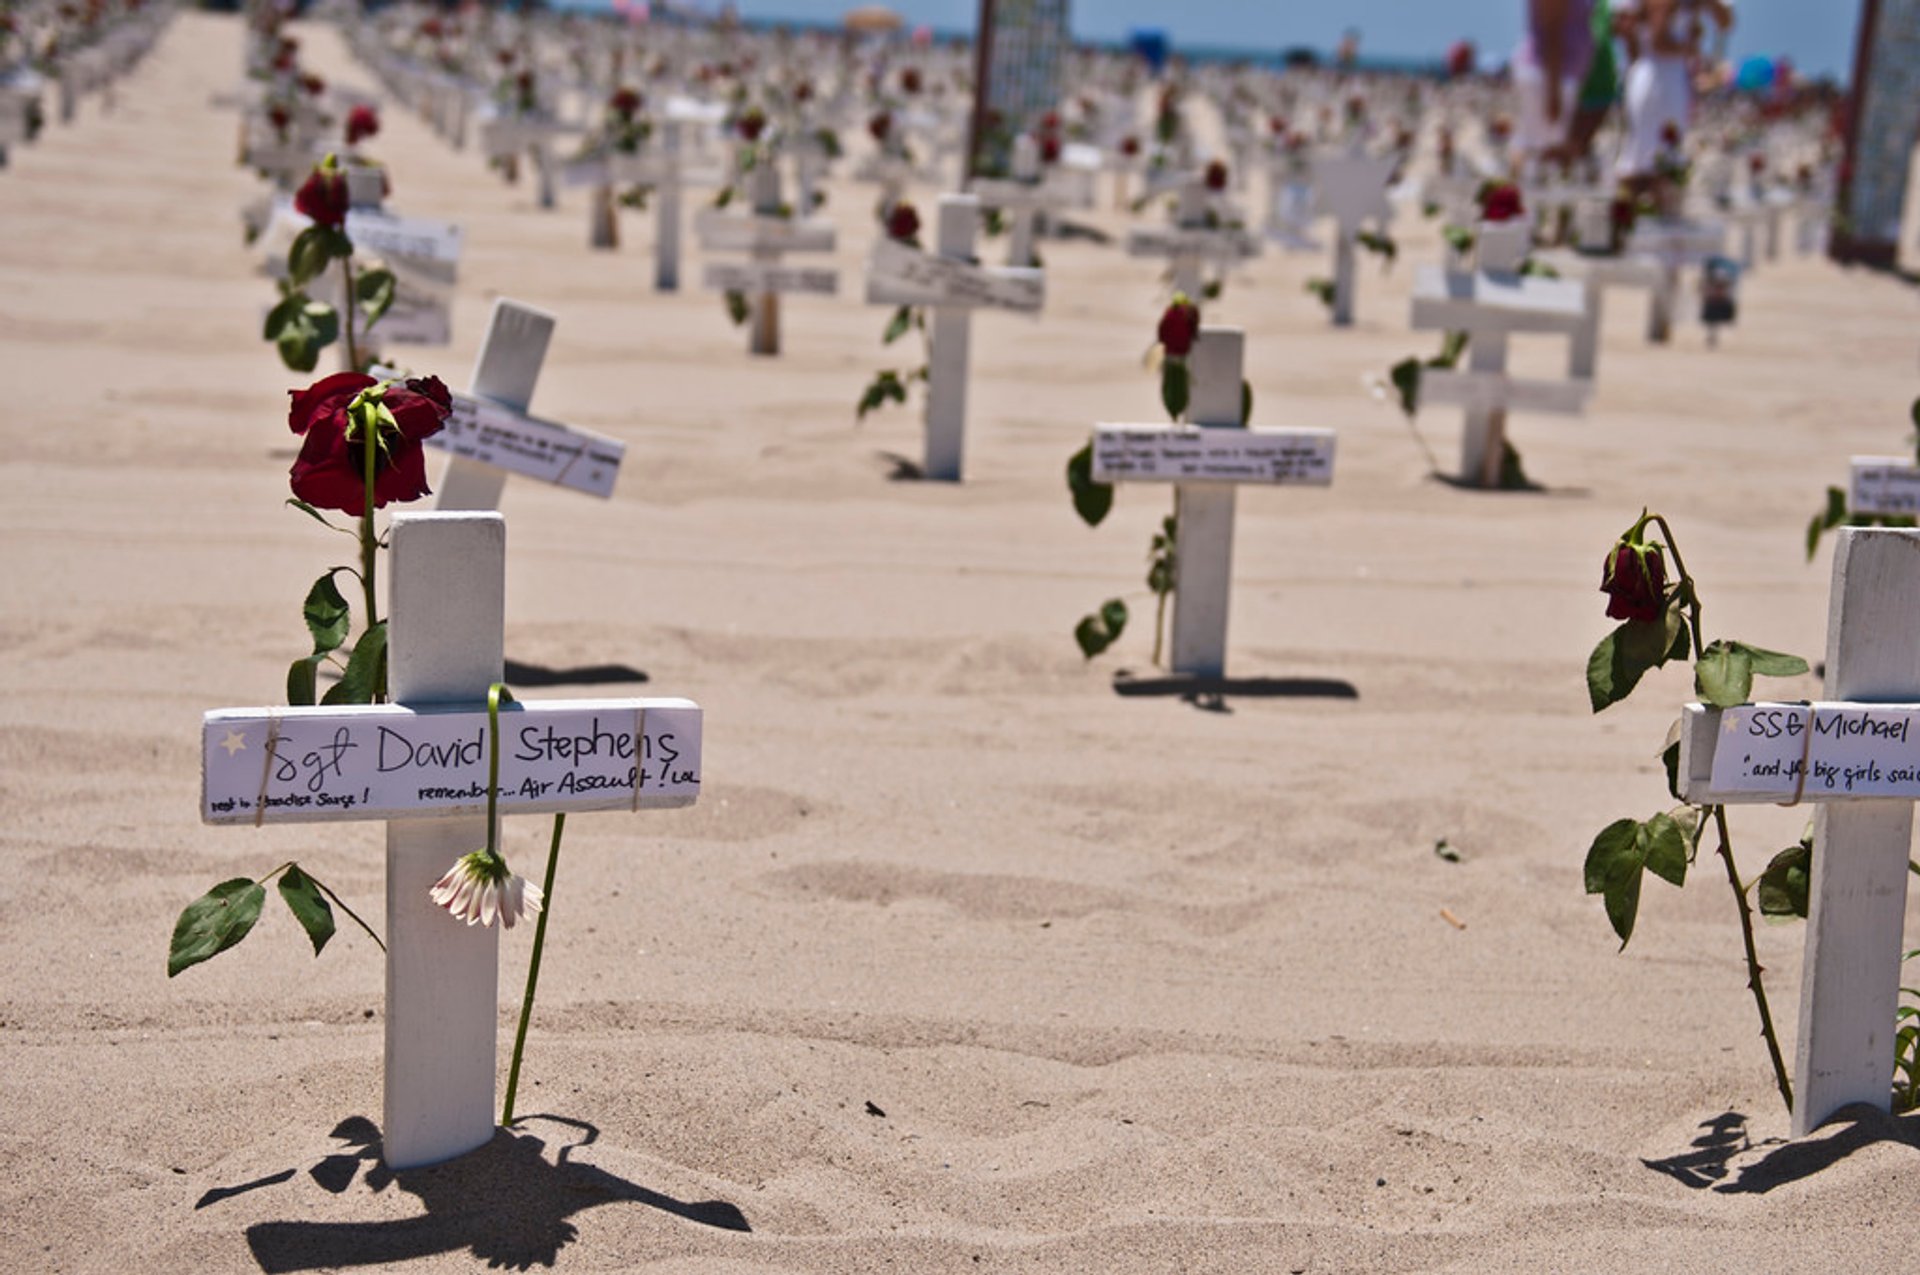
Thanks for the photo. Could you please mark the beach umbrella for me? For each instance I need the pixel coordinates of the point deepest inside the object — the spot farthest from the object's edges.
(1151, 45)
(1755, 73)
(872, 18)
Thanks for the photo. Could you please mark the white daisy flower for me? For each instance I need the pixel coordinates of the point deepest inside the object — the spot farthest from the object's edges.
(478, 889)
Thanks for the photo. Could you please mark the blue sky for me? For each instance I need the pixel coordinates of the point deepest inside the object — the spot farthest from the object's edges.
(1818, 34)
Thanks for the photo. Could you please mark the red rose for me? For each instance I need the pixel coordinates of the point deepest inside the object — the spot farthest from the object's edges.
(1179, 326)
(1129, 146)
(1500, 202)
(1216, 176)
(362, 122)
(1757, 164)
(330, 472)
(1670, 135)
(280, 118)
(910, 80)
(323, 197)
(626, 102)
(880, 125)
(313, 84)
(1049, 148)
(903, 223)
(1501, 128)
(803, 91)
(1622, 214)
(1277, 125)
(1634, 578)
(751, 124)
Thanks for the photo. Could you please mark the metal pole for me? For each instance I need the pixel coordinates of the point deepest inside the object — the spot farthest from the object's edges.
(982, 84)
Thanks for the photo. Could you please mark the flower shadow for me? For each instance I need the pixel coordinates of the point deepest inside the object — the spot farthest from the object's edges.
(1721, 1139)
(1724, 1140)
(506, 1203)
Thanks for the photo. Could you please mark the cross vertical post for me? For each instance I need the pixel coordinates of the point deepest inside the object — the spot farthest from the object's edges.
(505, 371)
(446, 612)
(949, 339)
(764, 182)
(1203, 549)
(666, 221)
(1856, 901)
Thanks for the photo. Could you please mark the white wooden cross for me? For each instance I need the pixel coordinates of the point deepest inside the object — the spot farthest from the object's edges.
(505, 137)
(1352, 189)
(1206, 461)
(1857, 754)
(1190, 242)
(1026, 194)
(766, 236)
(669, 169)
(953, 285)
(1672, 244)
(1491, 304)
(489, 434)
(420, 764)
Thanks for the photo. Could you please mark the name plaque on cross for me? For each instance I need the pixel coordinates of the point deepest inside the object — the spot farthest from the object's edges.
(734, 232)
(1132, 453)
(1884, 485)
(1814, 752)
(494, 435)
(1223, 243)
(389, 761)
(764, 276)
(900, 275)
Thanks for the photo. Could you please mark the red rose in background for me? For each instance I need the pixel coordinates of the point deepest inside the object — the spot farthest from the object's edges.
(362, 122)
(1501, 202)
(1049, 148)
(626, 102)
(751, 124)
(903, 223)
(880, 125)
(323, 198)
(1216, 176)
(1179, 326)
(330, 472)
(1129, 146)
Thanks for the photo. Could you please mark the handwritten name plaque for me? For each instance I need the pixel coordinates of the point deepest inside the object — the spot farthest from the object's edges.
(1884, 485)
(387, 761)
(763, 276)
(899, 275)
(1225, 242)
(1136, 453)
(1819, 751)
(743, 232)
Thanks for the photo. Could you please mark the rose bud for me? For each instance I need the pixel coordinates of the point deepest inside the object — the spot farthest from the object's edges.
(1634, 578)
(903, 222)
(1179, 326)
(1500, 201)
(1216, 176)
(362, 122)
(322, 198)
(751, 124)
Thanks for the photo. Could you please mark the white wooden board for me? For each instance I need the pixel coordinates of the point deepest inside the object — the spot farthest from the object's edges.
(551, 452)
(306, 765)
(900, 275)
(766, 276)
(1493, 391)
(1174, 454)
(1227, 243)
(739, 232)
(1482, 302)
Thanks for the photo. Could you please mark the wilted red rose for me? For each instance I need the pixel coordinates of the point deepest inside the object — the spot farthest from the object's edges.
(330, 472)
(751, 124)
(1622, 213)
(1277, 125)
(313, 84)
(880, 125)
(1129, 146)
(362, 122)
(1757, 164)
(1461, 57)
(1500, 201)
(803, 91)
(323, 197)
(1049, 148)
(1179, 326)
(1634, 578)
(1670, 135)
(903, 222)
(910, 80)
(1216, 176)
(280, 118)
(626, 102)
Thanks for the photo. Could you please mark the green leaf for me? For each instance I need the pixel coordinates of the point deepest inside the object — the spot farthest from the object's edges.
(328, 616)
(1772, 663)
(1451, 348)
(1210, 290)
(1826, 520)
(1670, 758)
(1665, 842)
(1405, 376)
(357, 684)
(1621, 659)
(302, 677)
(1246, 404)
(1723, 675)
(737, 308)
(1091, 500)
(310, 254)
(308, 905)
(1625, 849)
(885, 387)
(374, 290)
(214, 922)
(1459, 237)
(1096, 632)
(1323, 289)
(1175, 386)
(287, 311)
(898, 326)
(1783, 886)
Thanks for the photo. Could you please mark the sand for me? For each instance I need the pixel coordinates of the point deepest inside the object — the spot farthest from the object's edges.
(963, 961)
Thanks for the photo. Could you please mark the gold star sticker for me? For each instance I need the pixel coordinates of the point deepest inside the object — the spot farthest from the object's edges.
(1731, 725)
(234, 742)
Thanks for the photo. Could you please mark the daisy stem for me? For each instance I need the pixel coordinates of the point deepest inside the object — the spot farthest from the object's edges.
(533, 968)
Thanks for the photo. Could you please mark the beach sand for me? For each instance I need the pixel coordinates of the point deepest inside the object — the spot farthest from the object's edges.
(963, 961)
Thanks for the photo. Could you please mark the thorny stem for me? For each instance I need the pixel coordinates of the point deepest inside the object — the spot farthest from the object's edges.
(347, 306)
(1755, 982)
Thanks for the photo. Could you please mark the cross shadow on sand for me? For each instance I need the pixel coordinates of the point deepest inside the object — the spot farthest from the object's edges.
(1211, 694)
(505, 1203)
(1710, 1165)
(532, 675)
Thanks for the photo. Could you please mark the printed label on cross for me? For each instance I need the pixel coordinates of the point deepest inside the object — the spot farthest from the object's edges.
(1490, 304)
(1206, 461)
(1856, 754)
(421, 764)
(1672, 244)
(1193, 239)
(1885, 485)
(1352, 189)
(489, 434)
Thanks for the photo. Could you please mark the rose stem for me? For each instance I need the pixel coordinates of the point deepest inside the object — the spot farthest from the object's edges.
(1755, 982)
(533, 968)
(369, 543)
